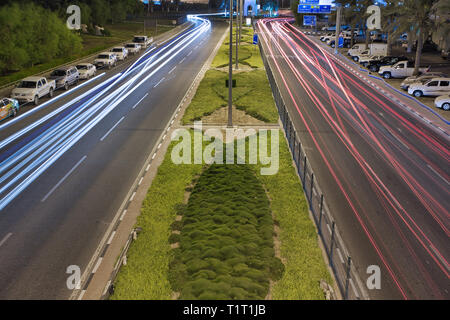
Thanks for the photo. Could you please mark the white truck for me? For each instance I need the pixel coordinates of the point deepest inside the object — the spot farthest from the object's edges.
(401, 69)
(374, 49)
(143, 41)
(31, 89)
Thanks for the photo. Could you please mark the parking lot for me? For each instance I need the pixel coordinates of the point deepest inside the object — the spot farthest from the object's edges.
(429, 60)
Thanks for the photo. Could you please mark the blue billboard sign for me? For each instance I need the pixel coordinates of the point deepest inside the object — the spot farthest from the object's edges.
(325, 9)
(313, 8)
(309, 20)
(309, 1)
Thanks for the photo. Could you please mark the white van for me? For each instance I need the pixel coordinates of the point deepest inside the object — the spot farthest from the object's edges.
(434, 87)
(357, 48)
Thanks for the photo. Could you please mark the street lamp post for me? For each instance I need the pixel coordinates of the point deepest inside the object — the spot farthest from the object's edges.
(237, 33)
(338, 29)
(230, 71)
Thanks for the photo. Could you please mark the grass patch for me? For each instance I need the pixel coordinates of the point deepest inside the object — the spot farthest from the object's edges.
(146, 276)
(226, 243)
(248, 53)
(120, 32)
(252, 95)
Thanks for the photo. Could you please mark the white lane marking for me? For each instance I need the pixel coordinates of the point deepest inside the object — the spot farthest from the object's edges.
(172, 70)
(111, 237)
(354, 288)
(196, 47)
(159, 82)
(440, 258)
(154, 155)
(329, 229)
(99, 261)
(81, 295)
(140, 100)
(438, 174)
(159, 146)
(5, 239)
(189, 54)
(182, 60)
(398, 139)
(107, 287)
(132, 196)
(64, 178)
(110, 130)
(340, 255)
(140, 181)
(123, 215)
(148, 168)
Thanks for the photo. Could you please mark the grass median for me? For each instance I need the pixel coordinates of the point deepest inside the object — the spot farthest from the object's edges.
(147, 273)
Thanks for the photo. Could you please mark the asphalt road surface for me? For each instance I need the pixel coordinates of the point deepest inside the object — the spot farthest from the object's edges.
(63, 176)
(383, 171)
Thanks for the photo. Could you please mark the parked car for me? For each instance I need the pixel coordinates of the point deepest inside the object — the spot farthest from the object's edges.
(121, 53)
(86, 70)
(322, 38)
(401, 69)
(359, 47)
(8, 108)
(434, 87)
(106, 59)
(359, 55)
(421, 78)
(143, 41)
(65, 77)
(31, 89)
(133, 48)
(375, 66)
(368, 59)
(443, 102)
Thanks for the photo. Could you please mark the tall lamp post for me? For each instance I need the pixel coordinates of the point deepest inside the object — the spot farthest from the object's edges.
(230, 71)
(338, 28)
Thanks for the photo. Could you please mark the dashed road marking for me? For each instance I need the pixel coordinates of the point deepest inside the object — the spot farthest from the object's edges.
(5, 238)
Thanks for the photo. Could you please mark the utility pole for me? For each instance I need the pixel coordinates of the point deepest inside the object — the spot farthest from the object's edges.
(338, 28)
(241, 14)
(230, 71)
(237, 33)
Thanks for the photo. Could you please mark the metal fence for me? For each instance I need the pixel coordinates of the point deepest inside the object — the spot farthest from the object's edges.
(345, 273)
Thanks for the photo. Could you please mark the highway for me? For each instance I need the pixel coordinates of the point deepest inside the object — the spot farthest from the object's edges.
(66, 169)
(384, 172)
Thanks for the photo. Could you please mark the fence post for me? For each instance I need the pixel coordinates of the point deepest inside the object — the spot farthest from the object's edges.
(304, 172)
(311, 192)
(330, 254)
(320, 214)
(349, 261)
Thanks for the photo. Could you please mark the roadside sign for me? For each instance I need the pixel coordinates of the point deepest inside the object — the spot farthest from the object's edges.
(255, 39)
(309, 20)
(341, 42)
(313, 8)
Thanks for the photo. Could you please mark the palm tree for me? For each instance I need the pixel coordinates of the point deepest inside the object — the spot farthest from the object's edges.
(418, 16)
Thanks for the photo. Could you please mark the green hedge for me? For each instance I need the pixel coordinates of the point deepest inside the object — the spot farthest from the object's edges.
(226, 244)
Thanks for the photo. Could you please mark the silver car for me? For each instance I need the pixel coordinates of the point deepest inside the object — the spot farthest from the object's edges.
(65, 77)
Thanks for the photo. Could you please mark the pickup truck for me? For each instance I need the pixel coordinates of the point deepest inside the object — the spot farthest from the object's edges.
(106, 59)
(143, 41)
(401, 69)
(31, 89)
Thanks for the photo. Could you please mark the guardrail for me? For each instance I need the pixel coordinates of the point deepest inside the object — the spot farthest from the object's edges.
(122, 260)
(340, 261)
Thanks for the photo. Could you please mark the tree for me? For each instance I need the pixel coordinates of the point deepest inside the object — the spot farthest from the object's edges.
(419, 17)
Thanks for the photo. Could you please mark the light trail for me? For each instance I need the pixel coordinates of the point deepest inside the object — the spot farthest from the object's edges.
(334, 96)
(26, 163)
